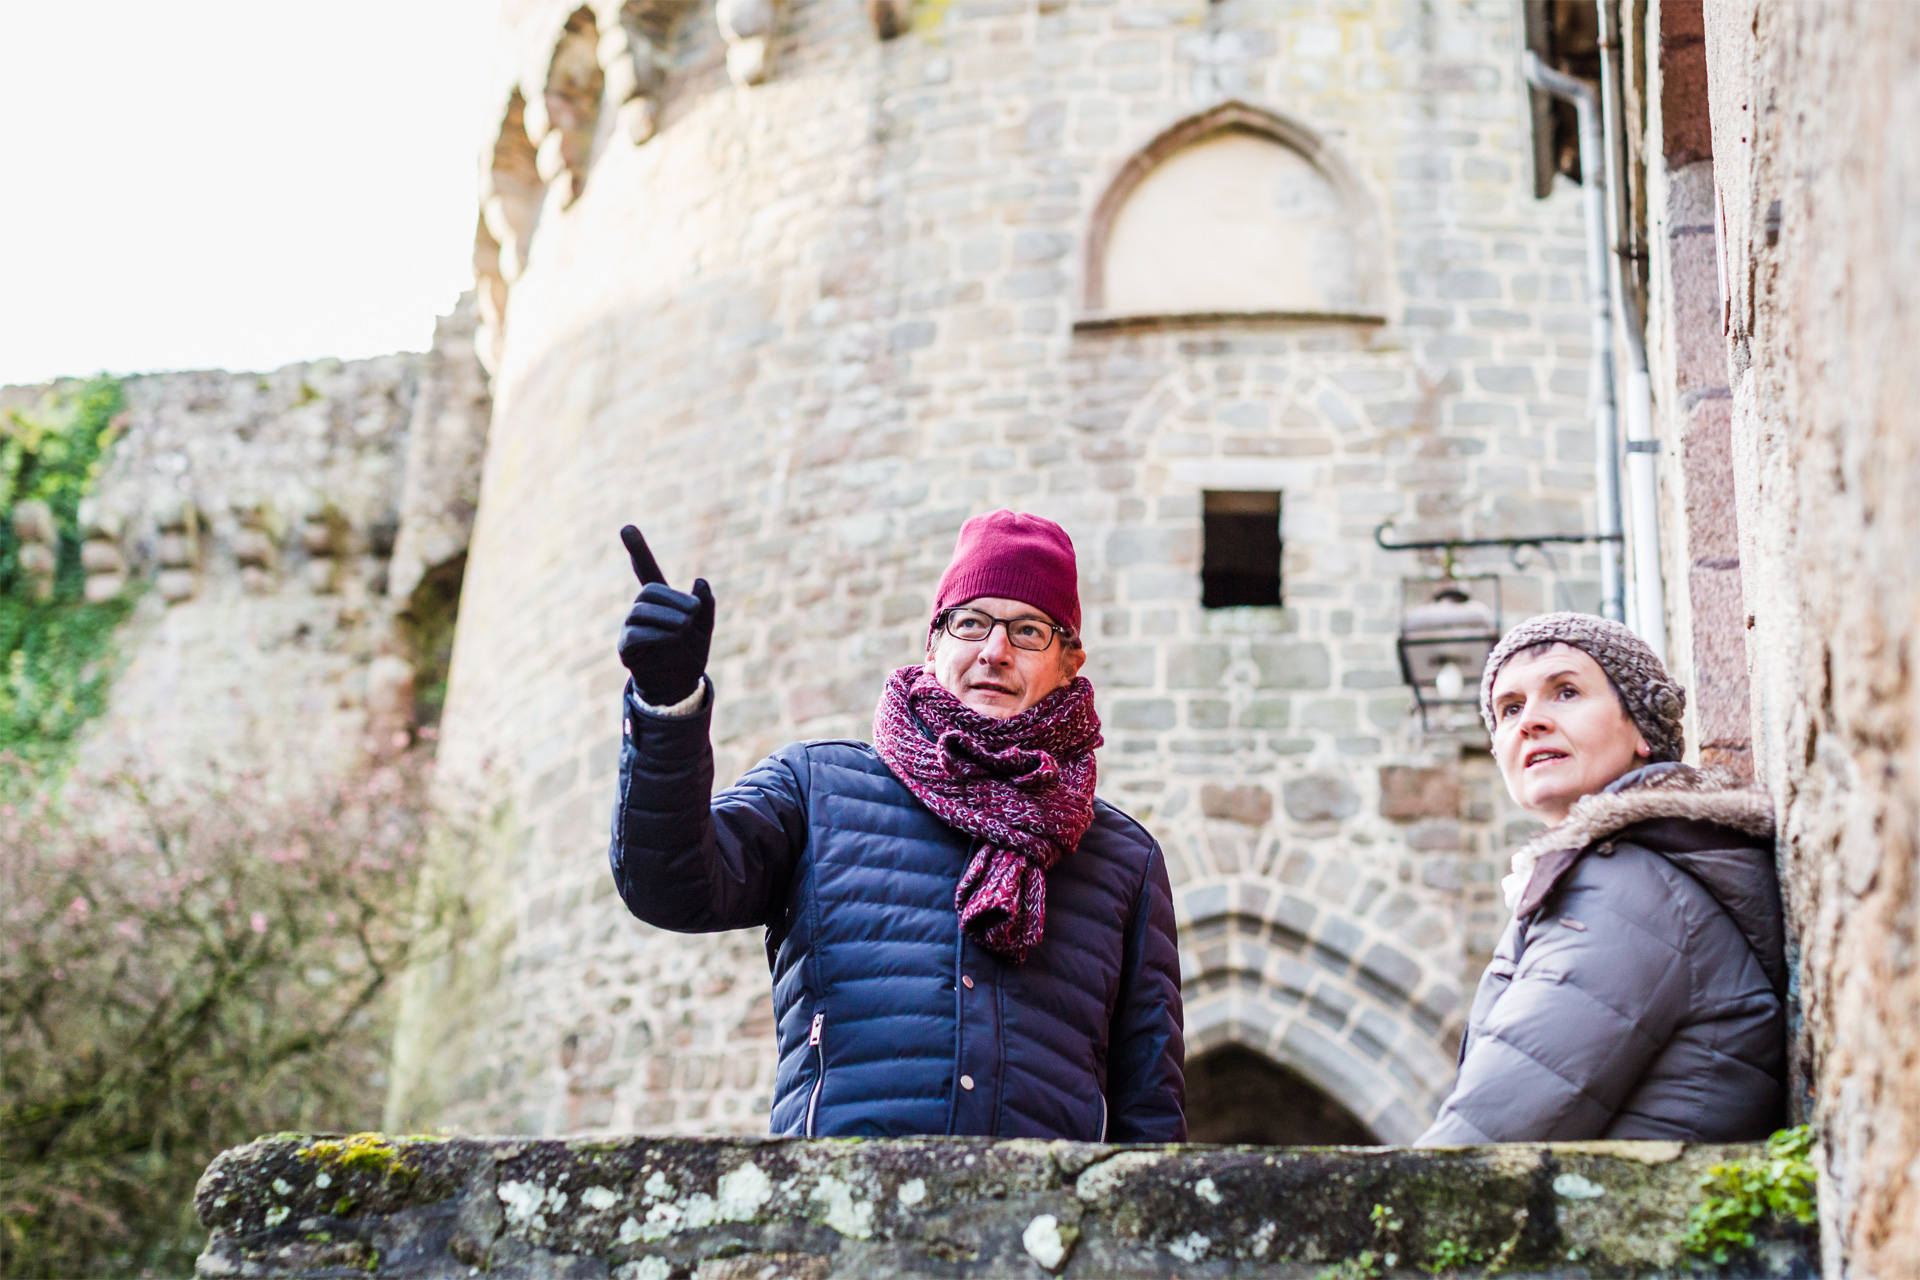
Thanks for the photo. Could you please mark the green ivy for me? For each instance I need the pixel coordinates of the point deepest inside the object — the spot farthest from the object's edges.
(58, 669)
(55, 655)
(1780, 1185)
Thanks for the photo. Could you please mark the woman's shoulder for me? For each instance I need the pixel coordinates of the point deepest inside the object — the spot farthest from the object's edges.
(1691, 862)
(1628, 880)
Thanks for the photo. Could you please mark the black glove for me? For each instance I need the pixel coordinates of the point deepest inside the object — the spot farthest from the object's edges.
(667, 635)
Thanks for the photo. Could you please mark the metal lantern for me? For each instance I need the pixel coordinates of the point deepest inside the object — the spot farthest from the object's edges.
(1447, 629)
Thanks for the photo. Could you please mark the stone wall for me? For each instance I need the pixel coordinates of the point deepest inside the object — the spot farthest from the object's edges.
(1815, 110)
(829, 302)
(715, 1209)
(1686, 341)
(257, 516)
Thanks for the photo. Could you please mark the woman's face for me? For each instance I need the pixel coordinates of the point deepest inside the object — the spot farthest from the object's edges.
(1559, 731)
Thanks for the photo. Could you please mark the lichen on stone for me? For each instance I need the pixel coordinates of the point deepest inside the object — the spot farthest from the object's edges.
(708, 1207)
(1048, 1241)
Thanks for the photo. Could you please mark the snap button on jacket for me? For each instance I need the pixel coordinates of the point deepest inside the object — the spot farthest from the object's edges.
(891, 1021)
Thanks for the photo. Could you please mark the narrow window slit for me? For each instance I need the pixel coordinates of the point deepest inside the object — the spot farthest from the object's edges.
(1240, 553)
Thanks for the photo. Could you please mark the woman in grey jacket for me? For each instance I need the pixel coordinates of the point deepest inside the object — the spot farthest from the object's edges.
(1639, 990)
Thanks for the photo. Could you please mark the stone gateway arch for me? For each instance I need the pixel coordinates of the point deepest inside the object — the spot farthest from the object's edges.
(1221, 287)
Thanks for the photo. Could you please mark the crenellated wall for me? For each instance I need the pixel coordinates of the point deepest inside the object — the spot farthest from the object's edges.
(813, 317)
(277, 529)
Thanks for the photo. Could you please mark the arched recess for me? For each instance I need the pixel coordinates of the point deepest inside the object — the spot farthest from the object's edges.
(1240, 1096)
(1236, 212)
(1342, 1007)
(511, 192)
(575, 84)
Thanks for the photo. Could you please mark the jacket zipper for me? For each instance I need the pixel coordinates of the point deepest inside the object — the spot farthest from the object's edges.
(819, 1071)
(1103, 1118)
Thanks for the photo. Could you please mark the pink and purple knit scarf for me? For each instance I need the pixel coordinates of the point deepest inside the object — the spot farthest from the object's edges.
(1022, 787)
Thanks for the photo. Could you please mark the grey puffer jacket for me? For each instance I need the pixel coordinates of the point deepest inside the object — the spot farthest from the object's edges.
(1639, 991)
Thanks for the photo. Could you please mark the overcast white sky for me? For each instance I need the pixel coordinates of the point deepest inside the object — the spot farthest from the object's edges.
(217, 184)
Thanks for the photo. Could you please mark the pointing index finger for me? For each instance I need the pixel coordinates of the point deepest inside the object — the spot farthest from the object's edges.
(645, 567)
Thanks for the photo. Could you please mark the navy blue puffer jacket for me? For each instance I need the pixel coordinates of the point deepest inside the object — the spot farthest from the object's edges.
(891, 1020)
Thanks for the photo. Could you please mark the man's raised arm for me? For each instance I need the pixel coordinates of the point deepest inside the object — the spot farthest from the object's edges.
(682, 857)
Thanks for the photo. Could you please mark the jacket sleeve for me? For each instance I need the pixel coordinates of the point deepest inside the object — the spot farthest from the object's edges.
(685, 858)
(1601, 985)
(1146, 1055)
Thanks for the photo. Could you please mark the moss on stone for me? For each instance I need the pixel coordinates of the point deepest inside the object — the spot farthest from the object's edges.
(362, 1153)
(1776, 1186)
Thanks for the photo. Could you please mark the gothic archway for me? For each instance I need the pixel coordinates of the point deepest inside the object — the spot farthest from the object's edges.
(1236, 1095)
(1318, 993)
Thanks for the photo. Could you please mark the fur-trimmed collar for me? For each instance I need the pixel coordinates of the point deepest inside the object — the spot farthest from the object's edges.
(1711, 795)
(1706, 822)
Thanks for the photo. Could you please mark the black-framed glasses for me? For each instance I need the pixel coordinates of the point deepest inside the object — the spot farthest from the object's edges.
(1035, 634)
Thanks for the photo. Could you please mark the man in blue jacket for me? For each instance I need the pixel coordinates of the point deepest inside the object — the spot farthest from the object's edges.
(963, 939)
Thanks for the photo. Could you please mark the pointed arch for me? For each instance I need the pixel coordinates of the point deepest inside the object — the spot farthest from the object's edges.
(1299, 159)
(1319, 993)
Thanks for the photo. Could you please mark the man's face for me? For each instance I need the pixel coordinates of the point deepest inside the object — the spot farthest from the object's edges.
(993, 676)
(1559, 731)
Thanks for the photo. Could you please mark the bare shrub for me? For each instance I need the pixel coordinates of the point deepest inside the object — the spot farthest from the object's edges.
(183, 968)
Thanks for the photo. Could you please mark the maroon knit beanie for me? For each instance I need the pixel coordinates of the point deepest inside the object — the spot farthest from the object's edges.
(1016, 557)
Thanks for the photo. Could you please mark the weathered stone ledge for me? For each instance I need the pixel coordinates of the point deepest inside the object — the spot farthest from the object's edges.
(762, 1209)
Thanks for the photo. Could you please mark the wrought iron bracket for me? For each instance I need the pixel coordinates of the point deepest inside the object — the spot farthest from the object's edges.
(1451, 545)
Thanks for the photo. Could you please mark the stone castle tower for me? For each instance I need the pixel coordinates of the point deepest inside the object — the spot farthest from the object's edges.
(797, 287)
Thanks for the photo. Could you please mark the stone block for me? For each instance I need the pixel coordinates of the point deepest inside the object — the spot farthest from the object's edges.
(1506, 380)
(1720, 694)
(101, 587)
(1041, 246)
(1320, 797)
(175, 550)
(1468, 285)
(1389, 972)
(102, 557)
(254, 547)
(1143, 713)
(1301, 664)
(1250, 805)
(1137, 546)
(1407, 792)
(1706, 468)
(1208, 713)
(33, 521)
(1435, 1006)
(1336, 943)
(1196, 666)
(1121, 666)
(1686, 130)
(1437, 835)
(175, 585)
(1338, 878)
(1330, 715)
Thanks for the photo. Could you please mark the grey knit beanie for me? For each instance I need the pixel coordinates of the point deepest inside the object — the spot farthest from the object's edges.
(1651, 698)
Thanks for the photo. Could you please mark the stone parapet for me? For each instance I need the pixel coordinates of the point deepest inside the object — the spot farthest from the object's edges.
(704, 1208)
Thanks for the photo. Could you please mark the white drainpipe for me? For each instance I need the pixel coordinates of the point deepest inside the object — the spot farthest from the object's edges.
(1649, 603)
(1606, 435)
